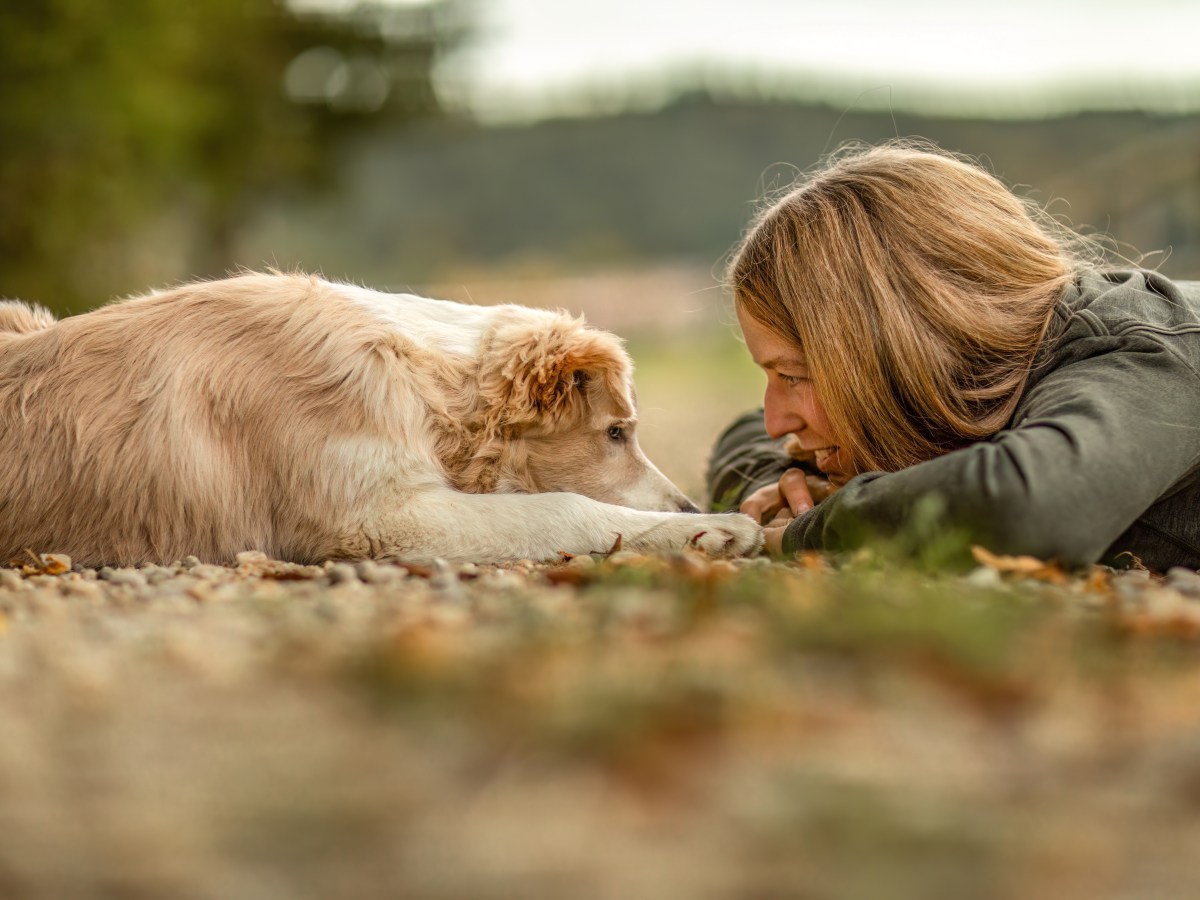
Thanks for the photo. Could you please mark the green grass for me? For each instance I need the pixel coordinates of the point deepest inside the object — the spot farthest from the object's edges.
(689, 389)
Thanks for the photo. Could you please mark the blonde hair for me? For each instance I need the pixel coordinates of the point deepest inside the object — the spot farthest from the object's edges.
(919, 289)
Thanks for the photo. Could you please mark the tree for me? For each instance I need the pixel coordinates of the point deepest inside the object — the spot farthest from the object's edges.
(118, 118)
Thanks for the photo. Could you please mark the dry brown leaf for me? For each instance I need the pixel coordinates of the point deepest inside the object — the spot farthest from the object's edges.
(1099, 581)
(55, 564)
(1025, 566)
(42, 564)
(568, 574)
(813, 560)
(417, 570)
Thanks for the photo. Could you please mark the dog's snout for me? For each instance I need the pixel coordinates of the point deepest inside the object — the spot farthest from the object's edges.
(686, 505)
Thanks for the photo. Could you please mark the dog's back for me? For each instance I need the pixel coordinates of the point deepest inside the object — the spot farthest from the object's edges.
(186, 422)
(22, 318)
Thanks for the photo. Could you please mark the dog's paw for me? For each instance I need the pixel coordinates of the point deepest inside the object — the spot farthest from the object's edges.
(718, 535)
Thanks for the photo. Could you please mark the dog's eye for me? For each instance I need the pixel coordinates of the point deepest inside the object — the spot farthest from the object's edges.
(616, 432)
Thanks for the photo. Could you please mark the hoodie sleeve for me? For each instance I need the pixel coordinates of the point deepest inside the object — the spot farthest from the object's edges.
(744, 459)
(1094, 445)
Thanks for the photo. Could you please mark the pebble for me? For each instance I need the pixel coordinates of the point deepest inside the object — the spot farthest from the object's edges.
(985, 577)
(1186, 581)
(342, 573)
(1168, 604)
(208, 572)
(373, 573)
(190, 562)
(501, 579)
(1140, 575)
(9, 579)
(156, 574)
(753, 562)
(89, 590)
(130, 577)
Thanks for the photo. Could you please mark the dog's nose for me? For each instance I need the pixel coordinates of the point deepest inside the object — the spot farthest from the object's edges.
(686, 505)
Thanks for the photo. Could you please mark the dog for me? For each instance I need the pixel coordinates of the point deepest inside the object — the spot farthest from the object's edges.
(314, 420)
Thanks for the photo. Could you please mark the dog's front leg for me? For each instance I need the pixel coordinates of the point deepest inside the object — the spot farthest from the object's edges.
(492, 528)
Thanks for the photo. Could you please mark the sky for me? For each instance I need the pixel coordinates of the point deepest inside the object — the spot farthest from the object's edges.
(537, 57)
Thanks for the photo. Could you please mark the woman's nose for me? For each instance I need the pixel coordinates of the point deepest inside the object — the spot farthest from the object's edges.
(779, 418)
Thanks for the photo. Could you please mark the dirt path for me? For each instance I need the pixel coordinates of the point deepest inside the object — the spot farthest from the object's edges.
(630, 727)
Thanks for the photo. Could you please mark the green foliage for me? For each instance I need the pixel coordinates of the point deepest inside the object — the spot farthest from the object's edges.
(122, 120)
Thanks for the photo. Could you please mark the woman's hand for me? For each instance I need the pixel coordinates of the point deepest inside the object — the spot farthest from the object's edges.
(775, 505)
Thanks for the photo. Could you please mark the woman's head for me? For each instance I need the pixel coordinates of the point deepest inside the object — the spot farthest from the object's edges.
(915, 289)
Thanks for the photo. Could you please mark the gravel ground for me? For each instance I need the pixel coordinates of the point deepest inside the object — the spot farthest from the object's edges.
(608, 728)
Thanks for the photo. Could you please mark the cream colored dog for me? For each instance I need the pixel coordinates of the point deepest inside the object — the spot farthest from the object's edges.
(314, 420)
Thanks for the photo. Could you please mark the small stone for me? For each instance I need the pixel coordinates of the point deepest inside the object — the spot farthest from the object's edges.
(1164, 603)
(129, 577)
(208, 572)
(1141, 575)
(342, 573)
(190, 562)
(1186, 581)
(89, 590)
(984, 577)
(156, 574)
(502, 579)
(753, 562)
(55, 563)
(9, 579)
(373, 573)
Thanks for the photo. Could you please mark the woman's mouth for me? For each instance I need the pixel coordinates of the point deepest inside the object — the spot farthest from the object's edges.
(823, 456)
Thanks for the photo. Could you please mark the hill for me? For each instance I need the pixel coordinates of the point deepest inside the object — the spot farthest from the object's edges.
(422, 203)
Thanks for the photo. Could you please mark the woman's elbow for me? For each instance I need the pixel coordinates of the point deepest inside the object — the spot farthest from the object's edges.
(1043, 533)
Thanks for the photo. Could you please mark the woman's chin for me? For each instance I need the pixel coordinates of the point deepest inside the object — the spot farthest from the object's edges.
(834, 467)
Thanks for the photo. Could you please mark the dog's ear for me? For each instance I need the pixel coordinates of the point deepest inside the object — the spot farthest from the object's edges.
(552, 372)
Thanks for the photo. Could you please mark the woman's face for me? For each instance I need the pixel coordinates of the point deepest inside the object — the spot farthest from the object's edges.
(791, 404)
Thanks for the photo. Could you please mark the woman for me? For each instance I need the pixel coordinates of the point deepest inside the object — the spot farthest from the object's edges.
(934, 342)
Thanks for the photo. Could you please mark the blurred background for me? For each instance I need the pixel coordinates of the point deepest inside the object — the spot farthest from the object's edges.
(602, 158)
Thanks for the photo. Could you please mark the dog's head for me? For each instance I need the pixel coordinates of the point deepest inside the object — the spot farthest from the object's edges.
(562, 399)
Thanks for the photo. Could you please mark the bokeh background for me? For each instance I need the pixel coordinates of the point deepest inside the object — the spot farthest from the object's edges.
(602, 158)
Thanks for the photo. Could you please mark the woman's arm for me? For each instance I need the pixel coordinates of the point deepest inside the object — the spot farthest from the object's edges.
(1098, 441)
(744, 459)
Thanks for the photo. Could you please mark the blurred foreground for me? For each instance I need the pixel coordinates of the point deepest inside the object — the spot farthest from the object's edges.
(608, 728)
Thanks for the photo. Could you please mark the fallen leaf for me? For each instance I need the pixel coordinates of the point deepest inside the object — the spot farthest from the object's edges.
(43, 564)
(813, 560)
(1026, 566)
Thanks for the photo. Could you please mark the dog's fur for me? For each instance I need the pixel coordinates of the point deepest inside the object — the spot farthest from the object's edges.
(314, 420)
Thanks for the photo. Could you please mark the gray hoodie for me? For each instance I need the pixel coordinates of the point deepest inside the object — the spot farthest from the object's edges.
(1100, 458)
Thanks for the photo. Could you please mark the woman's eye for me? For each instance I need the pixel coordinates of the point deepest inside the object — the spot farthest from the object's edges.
(791, 379)
(616, 432)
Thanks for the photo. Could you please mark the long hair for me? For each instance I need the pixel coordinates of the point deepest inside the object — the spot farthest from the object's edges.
(919, 289)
